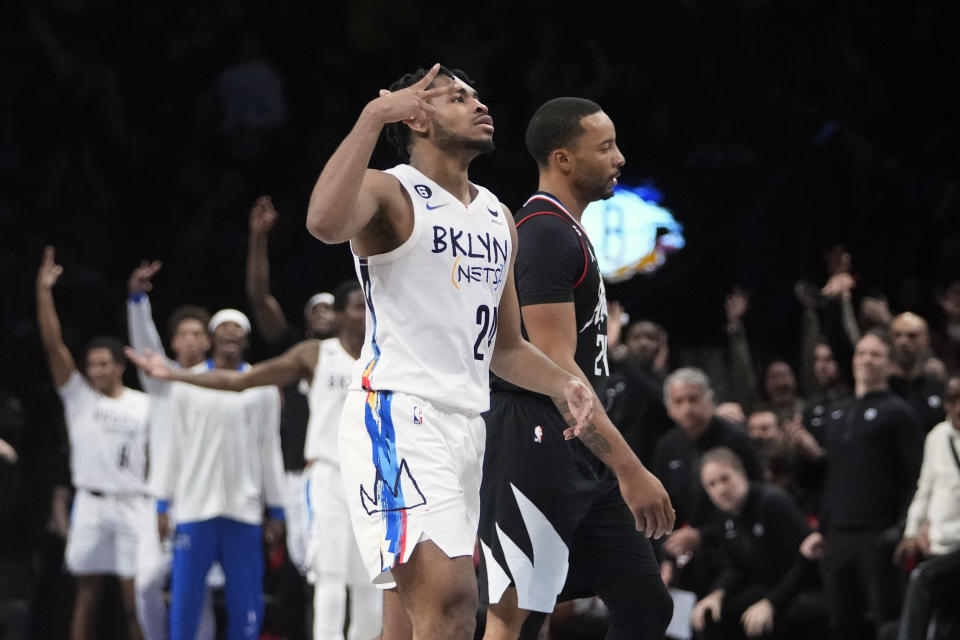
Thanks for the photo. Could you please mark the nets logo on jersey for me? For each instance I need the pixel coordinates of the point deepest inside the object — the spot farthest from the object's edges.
(479, 258)
(423, 191)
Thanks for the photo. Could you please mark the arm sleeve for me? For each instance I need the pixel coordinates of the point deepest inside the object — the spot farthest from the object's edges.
(910, 454)
(836, 334)
(163, 477)
(917, 512)
(144, 335)
(789, 529)
(550, 260)
(809, 333)
(745, 385)
(271, 459)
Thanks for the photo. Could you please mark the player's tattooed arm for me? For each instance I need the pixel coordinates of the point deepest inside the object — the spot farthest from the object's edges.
(588, 434)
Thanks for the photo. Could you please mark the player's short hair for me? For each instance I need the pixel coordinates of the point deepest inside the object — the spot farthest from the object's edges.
(555, 125)
(687, 375)
(111, 344)
(725, 456)
(398, 133)
(186, 312)
(342, 293)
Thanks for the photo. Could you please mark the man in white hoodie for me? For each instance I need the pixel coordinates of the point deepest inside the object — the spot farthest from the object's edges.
(223, 467)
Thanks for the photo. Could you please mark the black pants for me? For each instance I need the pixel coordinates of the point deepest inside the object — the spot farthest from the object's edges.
(935, 580)
(858, 577)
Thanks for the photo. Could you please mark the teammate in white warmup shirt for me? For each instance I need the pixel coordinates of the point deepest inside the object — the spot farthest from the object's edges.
(190, 343)
(107, 430)
(223, 468)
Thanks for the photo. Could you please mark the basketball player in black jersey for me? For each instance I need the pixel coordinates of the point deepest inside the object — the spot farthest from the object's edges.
(548, 503)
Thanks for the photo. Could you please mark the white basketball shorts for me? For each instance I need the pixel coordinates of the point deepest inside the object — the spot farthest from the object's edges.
(103, 533)
(411, 472)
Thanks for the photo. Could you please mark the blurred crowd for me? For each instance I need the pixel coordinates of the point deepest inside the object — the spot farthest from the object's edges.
(809, 148)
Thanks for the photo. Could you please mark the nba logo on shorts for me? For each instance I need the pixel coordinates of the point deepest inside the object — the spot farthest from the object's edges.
(538, 434)
(417, 415)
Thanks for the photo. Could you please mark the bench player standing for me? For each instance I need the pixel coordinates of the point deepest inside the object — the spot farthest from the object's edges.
(107, 429)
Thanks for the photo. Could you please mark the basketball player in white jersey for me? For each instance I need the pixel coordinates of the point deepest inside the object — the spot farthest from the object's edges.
(190, 343)
(434, 253)
(333, 557)
(107, 430)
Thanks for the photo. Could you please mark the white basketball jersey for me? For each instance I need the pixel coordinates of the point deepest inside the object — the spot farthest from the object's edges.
(108, 437)
(432, 303)
(331, 381)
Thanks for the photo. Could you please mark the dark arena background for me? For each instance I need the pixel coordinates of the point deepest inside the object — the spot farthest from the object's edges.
(774, 132)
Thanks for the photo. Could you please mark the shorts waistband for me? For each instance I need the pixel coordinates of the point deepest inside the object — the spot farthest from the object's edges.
(97, 493)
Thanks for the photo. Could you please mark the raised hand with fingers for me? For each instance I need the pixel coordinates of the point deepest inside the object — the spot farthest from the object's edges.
(140, 278)
(49, 271)
(263, 215)
(736, 304)
(412, 104)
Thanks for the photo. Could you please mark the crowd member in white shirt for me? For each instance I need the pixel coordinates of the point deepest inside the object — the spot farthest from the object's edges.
(190, 343)
(107, 431)
(333, 559)
(222, 470)
(932, 533)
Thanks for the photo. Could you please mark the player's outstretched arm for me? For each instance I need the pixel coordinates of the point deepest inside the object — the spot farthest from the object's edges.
(142, 329)
(299, 361)
(58, 356)
(347, 195)
(267, 312)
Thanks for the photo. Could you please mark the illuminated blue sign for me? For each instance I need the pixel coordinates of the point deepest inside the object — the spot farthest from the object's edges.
(631, 233)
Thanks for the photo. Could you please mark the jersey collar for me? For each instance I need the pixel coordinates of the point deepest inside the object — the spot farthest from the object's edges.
(543, 195)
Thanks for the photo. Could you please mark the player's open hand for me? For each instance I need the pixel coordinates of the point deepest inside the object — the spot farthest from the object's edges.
(412, 104)
(152, 363)
(49, 271)
(580, 403)
(648, 501)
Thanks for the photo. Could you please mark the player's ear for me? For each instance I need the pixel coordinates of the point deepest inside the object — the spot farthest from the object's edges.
(561, 159)
(418, 125)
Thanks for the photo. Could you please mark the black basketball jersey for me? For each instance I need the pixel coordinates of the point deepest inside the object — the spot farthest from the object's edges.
(556, 263)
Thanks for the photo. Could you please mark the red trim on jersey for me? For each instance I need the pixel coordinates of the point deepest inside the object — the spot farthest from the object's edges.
(558, 205)
(583, 247)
